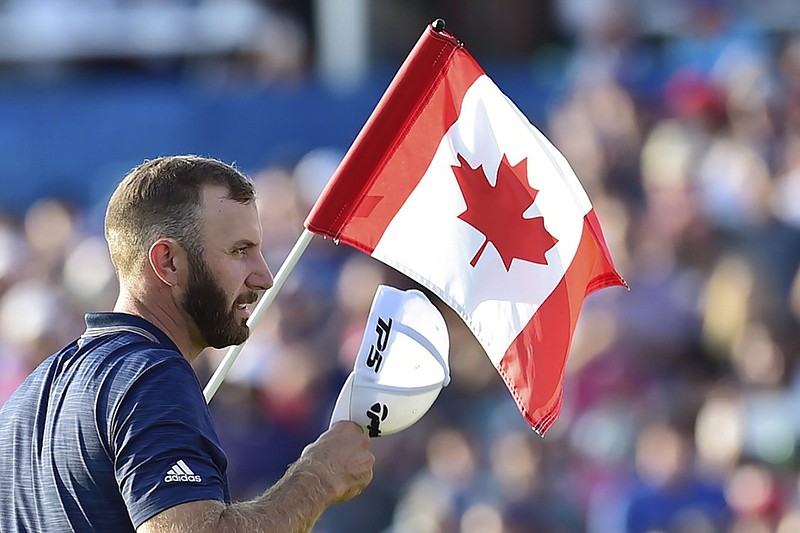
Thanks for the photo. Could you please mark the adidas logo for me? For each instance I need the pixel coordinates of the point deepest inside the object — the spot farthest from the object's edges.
(180, 471)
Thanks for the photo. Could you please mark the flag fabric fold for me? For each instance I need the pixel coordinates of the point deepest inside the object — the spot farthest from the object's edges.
(449, 183)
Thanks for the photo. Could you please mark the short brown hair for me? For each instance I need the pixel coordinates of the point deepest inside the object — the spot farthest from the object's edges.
(161, 198)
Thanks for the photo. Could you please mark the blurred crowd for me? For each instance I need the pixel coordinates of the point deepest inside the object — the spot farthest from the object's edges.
(682, 396)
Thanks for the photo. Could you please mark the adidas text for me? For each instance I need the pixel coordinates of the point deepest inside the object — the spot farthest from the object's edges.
(182, 477)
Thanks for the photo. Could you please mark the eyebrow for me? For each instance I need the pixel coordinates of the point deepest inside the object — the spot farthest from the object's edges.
(243, 242)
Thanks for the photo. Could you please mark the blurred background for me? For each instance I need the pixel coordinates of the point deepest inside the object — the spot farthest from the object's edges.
(681, 118)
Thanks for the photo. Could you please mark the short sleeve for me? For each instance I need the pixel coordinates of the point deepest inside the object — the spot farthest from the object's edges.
(165, 449)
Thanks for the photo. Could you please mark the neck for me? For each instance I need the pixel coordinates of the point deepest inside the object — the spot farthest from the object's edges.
(166, 317)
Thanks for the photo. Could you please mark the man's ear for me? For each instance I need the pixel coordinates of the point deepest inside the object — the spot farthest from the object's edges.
(166, 259)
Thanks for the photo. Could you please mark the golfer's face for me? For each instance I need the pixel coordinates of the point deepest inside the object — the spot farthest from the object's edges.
(227, 281)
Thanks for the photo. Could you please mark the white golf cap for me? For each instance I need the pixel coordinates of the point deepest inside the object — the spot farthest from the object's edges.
(401, 366)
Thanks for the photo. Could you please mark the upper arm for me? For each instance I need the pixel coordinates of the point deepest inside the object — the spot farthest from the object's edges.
(165, 449)
(187, 517)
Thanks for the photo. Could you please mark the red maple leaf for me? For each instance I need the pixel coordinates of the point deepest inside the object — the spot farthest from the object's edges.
(496, 211)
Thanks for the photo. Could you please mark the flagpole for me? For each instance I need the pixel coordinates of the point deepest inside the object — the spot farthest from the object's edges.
(265, 301)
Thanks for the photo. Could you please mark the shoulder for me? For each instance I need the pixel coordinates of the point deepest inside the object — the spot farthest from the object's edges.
(139, 380)
(150, 375)
(122, 342)
(161, 370)
(126, 358)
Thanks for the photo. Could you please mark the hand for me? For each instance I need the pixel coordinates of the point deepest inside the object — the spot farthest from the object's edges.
(341, 459)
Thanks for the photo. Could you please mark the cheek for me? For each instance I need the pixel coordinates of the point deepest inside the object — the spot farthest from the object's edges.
(233, 279)
(227, 276)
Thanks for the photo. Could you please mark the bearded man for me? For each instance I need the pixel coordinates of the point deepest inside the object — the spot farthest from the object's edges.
(112, 433)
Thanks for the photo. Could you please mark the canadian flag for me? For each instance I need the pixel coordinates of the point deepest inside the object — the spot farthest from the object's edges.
(449, 183)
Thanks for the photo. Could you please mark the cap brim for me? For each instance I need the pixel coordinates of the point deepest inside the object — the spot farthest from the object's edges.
(383, 410)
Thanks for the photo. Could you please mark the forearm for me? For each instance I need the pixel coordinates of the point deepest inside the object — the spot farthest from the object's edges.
(333, 469)
(292, 505)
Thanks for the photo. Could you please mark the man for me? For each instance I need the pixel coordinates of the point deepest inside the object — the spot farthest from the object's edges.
(112, 433)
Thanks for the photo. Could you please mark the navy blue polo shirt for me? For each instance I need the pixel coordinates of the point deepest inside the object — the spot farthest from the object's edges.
(108, 432)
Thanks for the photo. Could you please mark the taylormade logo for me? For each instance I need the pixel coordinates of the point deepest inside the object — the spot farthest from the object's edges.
(376, 414)
(180, 471)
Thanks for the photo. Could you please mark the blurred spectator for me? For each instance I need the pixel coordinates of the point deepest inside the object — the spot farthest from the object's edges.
(670, 494)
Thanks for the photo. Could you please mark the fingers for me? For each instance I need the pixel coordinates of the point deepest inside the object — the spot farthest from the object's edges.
(349, 428)
(342, 458)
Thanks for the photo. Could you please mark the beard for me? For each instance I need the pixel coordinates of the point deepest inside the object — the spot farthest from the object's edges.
(206, 303)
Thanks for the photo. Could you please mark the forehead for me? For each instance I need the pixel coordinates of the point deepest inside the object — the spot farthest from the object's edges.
(227, 220)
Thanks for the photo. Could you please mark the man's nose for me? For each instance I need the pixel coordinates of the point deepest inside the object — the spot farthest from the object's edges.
(261, 279)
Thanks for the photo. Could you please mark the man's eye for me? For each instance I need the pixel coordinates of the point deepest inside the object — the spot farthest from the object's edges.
(240, 251)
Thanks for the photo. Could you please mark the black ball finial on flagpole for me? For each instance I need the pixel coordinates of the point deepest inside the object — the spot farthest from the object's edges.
(438, 25)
